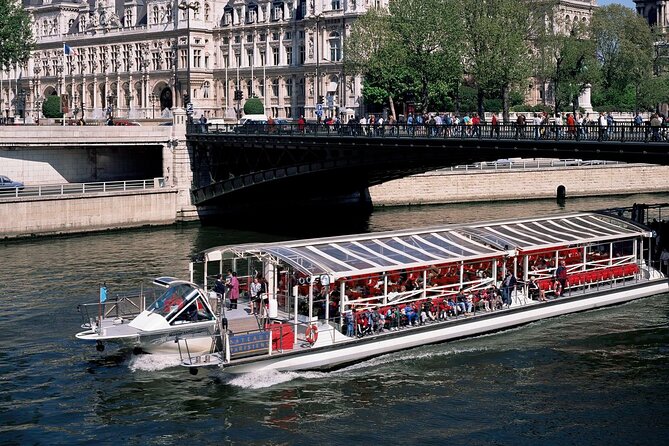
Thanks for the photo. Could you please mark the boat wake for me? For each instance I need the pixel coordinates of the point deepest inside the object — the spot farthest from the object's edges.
(152, 363)
(270, 378)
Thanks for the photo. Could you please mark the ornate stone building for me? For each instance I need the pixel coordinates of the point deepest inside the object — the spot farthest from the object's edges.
(656, 12)
(140, 58)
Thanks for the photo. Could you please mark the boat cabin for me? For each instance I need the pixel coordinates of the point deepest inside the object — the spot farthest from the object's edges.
(373, 282)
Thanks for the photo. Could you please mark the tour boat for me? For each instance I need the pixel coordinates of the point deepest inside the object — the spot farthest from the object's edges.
(325, 297)
(181, 313)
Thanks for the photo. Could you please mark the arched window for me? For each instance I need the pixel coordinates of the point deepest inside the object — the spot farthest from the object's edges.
(45, 28)
(335, 46)
(155, 16)
(168, 13)
(205, 90)
(70, 25)
(207, 12)
(196, 11)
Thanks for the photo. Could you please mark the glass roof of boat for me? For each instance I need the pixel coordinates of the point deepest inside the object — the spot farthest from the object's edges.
(352, 255)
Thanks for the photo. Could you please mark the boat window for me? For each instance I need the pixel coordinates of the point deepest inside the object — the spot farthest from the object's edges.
(193, 311)
(173, 298)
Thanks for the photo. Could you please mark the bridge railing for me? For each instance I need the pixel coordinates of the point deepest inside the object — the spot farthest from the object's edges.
(51, 190)
(627, 132)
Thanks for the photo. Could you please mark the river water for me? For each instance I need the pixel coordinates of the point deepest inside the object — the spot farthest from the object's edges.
(600, 377)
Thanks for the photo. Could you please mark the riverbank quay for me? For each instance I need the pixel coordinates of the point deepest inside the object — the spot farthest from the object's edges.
(87, 212)
(460, 186)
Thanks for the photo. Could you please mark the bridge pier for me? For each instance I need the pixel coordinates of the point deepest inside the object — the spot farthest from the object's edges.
(177, 167)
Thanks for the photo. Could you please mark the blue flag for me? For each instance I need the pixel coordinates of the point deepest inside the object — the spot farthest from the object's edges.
(103, 294)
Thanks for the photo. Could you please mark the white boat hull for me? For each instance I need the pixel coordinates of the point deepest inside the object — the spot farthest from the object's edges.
(159, 341)
(356, 350)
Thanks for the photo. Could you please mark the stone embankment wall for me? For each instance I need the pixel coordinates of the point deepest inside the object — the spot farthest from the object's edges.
(488, 185)
(82, 213)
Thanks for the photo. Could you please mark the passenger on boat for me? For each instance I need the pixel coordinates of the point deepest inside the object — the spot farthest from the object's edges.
(454, 306)
(255, 293)
(561, 276)
(432, 310)
(495, 298)
(536, 293)
(411, 314)
(394, 316)
(508, 286)
(462, 302)
(233, 289)
(484, 301)
(349, 321)
(219, 285)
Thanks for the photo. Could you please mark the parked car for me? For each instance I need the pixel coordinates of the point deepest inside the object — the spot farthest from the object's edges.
(6, 183)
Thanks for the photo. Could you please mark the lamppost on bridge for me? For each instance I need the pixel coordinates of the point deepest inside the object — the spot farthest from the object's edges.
(75, 104)
(38, 104)
(110, 105)
(153, 98)
(21, 104)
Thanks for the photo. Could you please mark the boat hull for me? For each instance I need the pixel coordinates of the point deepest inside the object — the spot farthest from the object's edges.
(197, 340)
(334, 356)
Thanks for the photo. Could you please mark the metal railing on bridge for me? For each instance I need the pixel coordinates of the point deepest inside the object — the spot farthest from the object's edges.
(590, 132)
(51, 190)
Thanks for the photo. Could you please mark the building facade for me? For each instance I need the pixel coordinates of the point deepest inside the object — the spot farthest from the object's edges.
(140, 58)
(656, 12)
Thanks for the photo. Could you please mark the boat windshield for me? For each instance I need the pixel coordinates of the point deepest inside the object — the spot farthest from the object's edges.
(173, 299)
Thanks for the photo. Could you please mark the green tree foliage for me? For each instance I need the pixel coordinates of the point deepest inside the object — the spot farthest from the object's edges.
(16, 40)
(624, 47)
(254, 106)
(51, 107)
(497, 52)
(407, 51)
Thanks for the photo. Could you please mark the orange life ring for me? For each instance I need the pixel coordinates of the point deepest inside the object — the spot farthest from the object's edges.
(312, 334)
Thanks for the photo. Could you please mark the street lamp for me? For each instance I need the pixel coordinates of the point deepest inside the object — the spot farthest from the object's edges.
(153, 98)
(75, 104)
(110, 105)
(21, 103)
(38, 104)
(186, 6)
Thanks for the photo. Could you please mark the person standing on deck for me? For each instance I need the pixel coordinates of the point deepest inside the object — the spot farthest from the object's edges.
(219, 289)
(234, 291)
(561, 276)
(508, 285)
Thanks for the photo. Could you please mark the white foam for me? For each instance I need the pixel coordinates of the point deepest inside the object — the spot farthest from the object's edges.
(151, 363)
(269, 378)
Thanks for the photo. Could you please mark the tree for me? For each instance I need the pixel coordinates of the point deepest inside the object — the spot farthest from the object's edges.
(51, 107)
(405, 51)
(254, 106)
(497, 55)
(16, 40)
(624, 48)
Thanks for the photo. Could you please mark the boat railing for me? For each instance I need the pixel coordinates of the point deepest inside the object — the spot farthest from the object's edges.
(127, 306)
